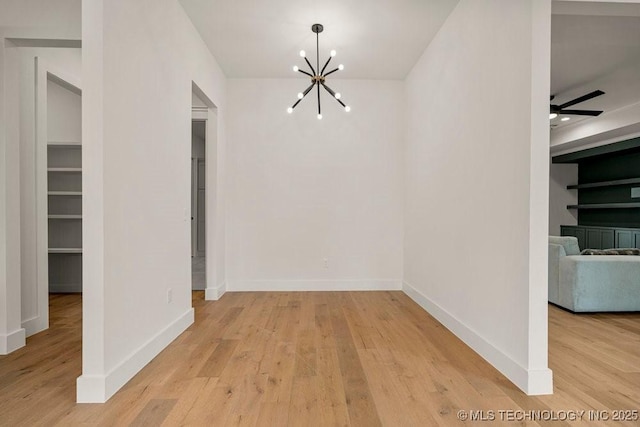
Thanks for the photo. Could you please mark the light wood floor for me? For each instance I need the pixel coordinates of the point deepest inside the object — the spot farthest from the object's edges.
(334, 358)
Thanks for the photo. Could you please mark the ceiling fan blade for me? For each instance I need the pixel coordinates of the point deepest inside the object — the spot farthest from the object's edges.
(582, 98)
(580, 112)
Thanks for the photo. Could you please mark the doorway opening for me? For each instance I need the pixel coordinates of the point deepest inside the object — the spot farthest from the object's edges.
(198, 204)
(58, 194)
(207, 223)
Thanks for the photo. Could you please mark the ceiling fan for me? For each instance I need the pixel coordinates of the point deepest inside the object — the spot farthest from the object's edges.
(560, 109)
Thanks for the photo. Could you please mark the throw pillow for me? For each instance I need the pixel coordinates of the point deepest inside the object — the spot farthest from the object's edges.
(621, 251)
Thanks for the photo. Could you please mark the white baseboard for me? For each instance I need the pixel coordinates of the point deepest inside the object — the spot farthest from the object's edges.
(214, 294)
(34, 325)
(13, 341)
(532, 382)
(99, 388)
(314, 285)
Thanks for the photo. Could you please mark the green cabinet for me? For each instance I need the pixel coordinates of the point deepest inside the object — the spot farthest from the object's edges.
(628, 238)
(602, 237)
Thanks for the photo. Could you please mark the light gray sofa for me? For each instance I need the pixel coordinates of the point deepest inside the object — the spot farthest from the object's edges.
(592, 283)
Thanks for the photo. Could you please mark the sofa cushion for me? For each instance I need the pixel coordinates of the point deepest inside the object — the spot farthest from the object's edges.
(569, 243)
(622, 251)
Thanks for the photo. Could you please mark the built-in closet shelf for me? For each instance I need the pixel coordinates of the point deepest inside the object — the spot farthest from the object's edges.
(65, 193)
(66, 216)
(606, 206)
(64, 169)
(77, 144)
(65, 250)
(605, 184)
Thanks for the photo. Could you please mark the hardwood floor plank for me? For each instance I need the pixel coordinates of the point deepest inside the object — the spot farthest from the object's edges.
(154, 413)
(280, 372)
(322, 325)
(273, 414)
(185, 402)
(332, 396)
(249, 396)
(218, 359)
(306, 407)
(362, 410)
(388, 390)
(306, 354)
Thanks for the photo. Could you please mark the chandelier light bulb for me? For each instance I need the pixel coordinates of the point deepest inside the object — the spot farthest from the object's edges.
(319, 116)
(289, 110)
(340, 67)
(565, 119)
(303, 53)
(295, 68)
(333, 53)
(347, 108)
(300, 95)
(553, 116)
(338, 95)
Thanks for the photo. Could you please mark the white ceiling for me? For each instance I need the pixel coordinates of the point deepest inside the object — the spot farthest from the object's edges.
(586, 48)
(375, 39)
(595, 46)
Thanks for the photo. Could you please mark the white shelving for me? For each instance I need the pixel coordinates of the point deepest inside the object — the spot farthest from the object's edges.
(64, 211)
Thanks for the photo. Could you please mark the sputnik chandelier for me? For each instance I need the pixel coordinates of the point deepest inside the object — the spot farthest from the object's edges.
(318, 78)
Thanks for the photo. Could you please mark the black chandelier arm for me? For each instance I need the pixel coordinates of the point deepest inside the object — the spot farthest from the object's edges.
(296, 104)
(313, 70)
(319, 112)
(329, 89)
(307, 90)
(333, 94)
(331, 72)
(325, 65)
(304, 72)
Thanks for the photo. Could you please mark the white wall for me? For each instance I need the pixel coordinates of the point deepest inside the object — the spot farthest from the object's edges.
(64, 113)
(304, 189)
(41, 19)
(140, 59)
(476, 183)
(560, 176)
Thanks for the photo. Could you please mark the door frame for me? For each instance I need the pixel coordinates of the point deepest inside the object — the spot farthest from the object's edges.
(44, 72)
(214, 236)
